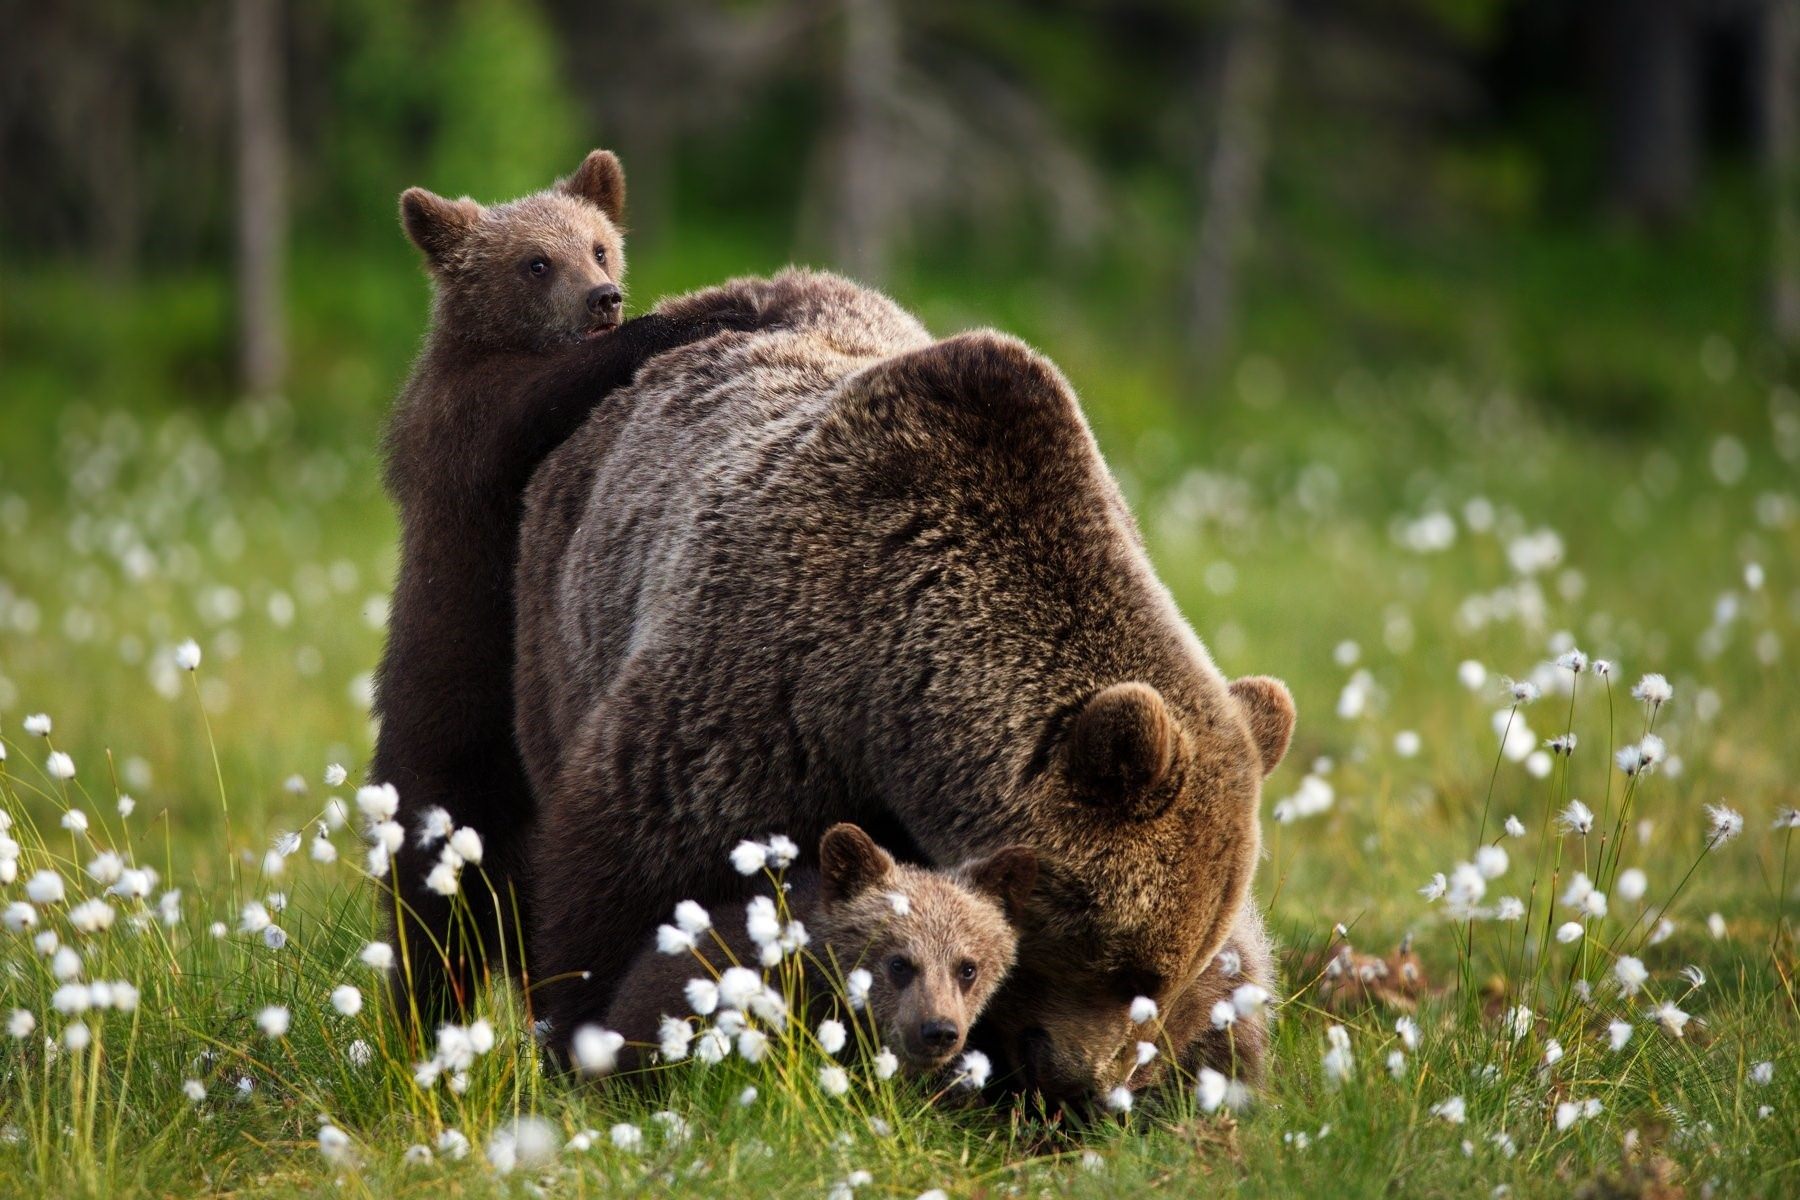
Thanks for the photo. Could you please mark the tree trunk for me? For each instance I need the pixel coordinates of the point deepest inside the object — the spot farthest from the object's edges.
(1652, 107)
(1781, 159)
(261, 196)
(1231, 175)
(865, 206)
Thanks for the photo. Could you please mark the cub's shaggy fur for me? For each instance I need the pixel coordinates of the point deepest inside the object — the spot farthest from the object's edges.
(835, 570)
(515, 360)
(935, 943)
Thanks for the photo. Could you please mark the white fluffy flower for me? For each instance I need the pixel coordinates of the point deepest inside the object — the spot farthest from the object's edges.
(523, 1144)
(61, 766)
(194, 1090)
(1435, 887)
(973, 1069)
(334, 1144)
(1577, 817)
(901, 903)
(45, 887)
(1510, 908)
(1672, 1019)
(738, 986)
(1762, 1074)
(77, 1036)
(832, 1036)
(857, 986)
(1454, 1110)
(1652, 689)
(38, 724)
(335, 774)
(834, 1080)
(1224, 1015)
(1569, 932)
(702, 996)
(467, 845)
(1491, 861)
(273, 1021)
(453, 1144)
(691, 918)
(749, 857)
(1617, 1034)
(1515, 828)
(1631, 885)
(761, 921)
(434, 825)
(627, 1137)
(887, 1064)
(378, 802)
(752, 1044)
(377, 955)
(1722, 824)
(674, 1036)
(596, 1050)
(1118, 1100)
(1630, 973)
(91, 916)
(187, 655)
(782, 851)
(1209, 1090)
(443, 879)
(347, 999)
(18, 917)
(105, 868)
(1143, 1010)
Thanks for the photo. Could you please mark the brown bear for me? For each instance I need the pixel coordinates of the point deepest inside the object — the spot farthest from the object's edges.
(934, 946)
(525, 339)
(834, 570)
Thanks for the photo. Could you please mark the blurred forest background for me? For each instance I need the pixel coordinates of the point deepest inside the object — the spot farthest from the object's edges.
(1561, 199)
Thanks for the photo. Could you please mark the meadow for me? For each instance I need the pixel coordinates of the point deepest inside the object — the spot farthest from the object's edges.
(1437, 556)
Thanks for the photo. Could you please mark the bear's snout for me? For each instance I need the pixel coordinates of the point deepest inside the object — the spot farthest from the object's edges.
(939, 1037)
(604, 302)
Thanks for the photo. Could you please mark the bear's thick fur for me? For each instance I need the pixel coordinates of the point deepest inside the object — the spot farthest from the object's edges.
(833, 570)
(513, 363)
(936, 945)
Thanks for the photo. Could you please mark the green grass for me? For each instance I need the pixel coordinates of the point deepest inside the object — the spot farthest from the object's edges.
(138, 509)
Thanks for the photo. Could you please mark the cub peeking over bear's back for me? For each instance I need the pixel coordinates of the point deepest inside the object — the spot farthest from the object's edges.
(525, 340)
(935, 944)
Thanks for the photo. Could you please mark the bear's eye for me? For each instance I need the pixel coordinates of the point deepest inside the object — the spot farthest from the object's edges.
(539, 267)
(966, 972)
(600, 254)
(900, 970)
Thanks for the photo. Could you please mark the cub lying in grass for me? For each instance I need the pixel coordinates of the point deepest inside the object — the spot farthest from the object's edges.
(918, 951)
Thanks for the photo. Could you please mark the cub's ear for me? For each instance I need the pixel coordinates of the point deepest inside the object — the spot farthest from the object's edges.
(850, 863)
(1006, 876)
(436, 225)
(1269, 708)
(599, 180)
(1122, 748)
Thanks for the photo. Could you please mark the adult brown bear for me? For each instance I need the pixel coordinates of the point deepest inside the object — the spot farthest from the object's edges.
(834, 570)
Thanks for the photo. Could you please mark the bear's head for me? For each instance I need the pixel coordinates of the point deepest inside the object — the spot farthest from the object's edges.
(936, 944)
(533, 274)
(1141, 881)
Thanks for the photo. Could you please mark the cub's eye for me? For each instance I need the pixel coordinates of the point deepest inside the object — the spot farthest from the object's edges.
(600, 254)
(900, 970)
(539, 267)
(966, 972)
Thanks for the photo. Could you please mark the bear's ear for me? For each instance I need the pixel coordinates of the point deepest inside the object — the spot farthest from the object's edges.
(1269, 708)
(1006, 876)
(850, 863)
(1123, 747)
(436, 225)
(600, 180)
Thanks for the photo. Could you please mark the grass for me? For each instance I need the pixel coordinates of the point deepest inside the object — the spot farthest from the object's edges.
(1285, 501)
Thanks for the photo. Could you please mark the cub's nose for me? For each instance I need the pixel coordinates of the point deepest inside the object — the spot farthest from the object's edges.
(939, 1037)
(604, 301)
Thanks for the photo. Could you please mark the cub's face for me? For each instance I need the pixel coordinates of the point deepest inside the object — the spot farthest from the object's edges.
(937, 944)
(532, 274)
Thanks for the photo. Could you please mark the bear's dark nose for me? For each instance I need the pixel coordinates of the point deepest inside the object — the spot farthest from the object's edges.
(605, 300)
(940, 1037)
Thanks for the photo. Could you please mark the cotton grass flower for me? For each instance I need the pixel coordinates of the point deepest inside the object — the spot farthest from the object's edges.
(834, 1080)
(1576, 817)
(1337, 1061)
(467, 845)
(45, 887)
(1722, 824)
(1515, 828)
(1510, 908)
(595, 1050)
(1631, 885)
(1491, 861)
(187, 655)
(334, 1145)
(1673, 1020)
(856, 988)
(335, 774)
(973, 1070)
(1762, 1074)
(61, 766)
(377, 956)
(273, 1021)
(1453, 1110)
(443, 879)
(347, 1000)
(747, 857)
(1653, 690)
(434, 826)
(1143, 1010)
(1617, 1034)
(1630, 974)
(21, 1023)
(194, 1090)
(1569, 932)
(752, 1045)
(77, 1037)
(18, 917)
(626, 1137)
(1118, 1100)
(378, 802)
(523, 1144)
(674, 1036)
(832, 1036)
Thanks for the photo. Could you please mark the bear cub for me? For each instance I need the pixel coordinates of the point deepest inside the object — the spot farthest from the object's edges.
(525, 340)
(935, 945)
